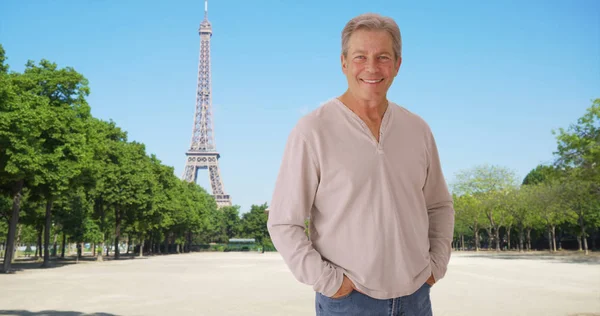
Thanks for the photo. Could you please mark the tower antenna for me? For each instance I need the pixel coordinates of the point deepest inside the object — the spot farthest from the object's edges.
(206, 9)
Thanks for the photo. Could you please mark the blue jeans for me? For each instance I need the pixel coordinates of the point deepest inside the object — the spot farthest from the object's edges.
(356, 303)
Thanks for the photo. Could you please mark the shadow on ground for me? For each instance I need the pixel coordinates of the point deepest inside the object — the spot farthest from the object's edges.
(561, 257)
(50, 313)
(33, 263)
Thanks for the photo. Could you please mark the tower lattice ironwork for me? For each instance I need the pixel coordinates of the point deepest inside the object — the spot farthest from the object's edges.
(203, 152)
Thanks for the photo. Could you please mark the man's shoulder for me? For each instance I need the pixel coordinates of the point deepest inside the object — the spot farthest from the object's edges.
(409, 118)
(316, 120)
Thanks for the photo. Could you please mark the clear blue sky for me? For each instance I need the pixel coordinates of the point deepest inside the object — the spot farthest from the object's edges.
(492, 80)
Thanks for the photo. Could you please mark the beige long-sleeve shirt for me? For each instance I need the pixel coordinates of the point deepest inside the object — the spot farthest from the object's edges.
(380, 212)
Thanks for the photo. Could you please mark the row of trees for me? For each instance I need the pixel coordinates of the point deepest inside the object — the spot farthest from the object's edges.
(66, 173)
(564, 196)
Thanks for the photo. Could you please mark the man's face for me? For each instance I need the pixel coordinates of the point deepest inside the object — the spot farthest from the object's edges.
(370, 65)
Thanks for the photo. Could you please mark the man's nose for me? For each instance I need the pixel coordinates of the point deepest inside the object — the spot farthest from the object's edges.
(371, 65)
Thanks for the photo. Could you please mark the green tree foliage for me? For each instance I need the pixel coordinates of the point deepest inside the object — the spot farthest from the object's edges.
(254, 225)
(579, 145)
(578, 155)
(56, 159)
(541, 173)
(231, 221)
(20, 145)
(489, 185)
(62, 152)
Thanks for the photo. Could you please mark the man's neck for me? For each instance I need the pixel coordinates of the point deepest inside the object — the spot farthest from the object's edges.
(371, 110)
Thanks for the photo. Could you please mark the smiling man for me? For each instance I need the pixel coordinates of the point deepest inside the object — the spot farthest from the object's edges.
(367, 173)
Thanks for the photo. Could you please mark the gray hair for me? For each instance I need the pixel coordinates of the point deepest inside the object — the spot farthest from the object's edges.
(373, 22)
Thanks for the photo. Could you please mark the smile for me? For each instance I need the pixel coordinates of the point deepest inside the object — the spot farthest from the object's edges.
(371, 81)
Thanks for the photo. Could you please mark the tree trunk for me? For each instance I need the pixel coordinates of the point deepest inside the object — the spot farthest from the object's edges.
(528, 239)
(54, 244)
(167, 243)
(64, 244)
(157, 245)
(490, 238)
(20, 227)
(102, 230)
(79, 247)
(101, 246)
(17, 243)
(12, 227)
(554, 237)
(38, 247)
(141, 246)
(172, 244)
(579, 242)
(560, 237)
(476, 240)
(128, 239)
(117, 232)
(583, 235)
(46, 263)
(497, 237)
(462, 242)
(521, 237)
(94, 250)
(549, 238)
(508, 236)
(585, 243)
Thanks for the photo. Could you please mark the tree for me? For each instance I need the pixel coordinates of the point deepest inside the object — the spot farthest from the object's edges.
(484, 182)
(541, 173)
(524, 215)
(484, 178)
(579, 145)
(20, 144)
(64, 111)
(494, 207)
(469, 216)
(581, 200)
(231, 220)
(128, 187)
(103, 138)
(578, 154)
(254, 225)
(3, 66)
(549, 207)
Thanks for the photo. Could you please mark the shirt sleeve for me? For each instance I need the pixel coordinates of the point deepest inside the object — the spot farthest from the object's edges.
(440, 210)
(292, 200)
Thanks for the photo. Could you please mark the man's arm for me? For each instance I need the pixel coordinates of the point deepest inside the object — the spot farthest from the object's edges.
(292, 200)
(441, 213)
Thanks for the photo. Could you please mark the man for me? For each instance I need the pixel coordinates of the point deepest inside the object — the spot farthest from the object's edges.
(367, 173)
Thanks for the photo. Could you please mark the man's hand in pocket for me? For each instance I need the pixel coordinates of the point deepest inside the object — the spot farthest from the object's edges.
(346, 288)
(431, 280)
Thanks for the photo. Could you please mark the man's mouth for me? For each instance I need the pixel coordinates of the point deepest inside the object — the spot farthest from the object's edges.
(372, 81)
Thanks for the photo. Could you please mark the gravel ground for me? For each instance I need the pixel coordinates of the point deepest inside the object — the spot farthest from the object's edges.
(260, 284)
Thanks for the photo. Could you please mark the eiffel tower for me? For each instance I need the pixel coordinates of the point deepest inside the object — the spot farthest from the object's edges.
(203, 153)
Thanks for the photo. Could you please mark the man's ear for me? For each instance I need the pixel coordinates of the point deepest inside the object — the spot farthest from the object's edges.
(398, 63)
